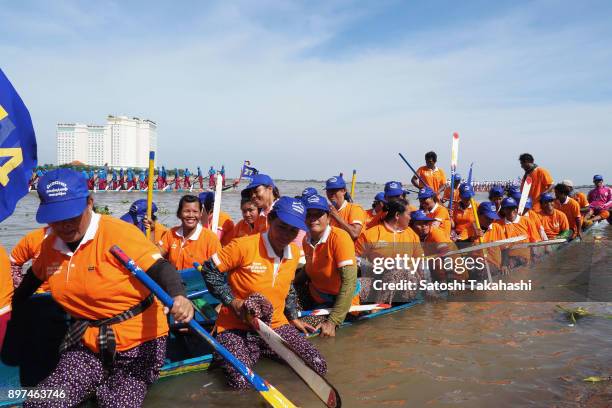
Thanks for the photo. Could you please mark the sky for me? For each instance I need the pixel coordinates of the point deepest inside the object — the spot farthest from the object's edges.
(308, 89)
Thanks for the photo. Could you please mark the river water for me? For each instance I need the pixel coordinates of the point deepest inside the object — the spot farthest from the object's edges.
(437, 354)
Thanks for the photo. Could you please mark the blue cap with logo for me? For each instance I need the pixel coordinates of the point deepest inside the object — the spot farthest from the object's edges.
(465, 191)
(393, 189)
(547, 198)
(419, 215)
(425, 193)
(335, 183)
(457, 177)
(597, 177)
(137, 213)
(260, 180)
(315, 202)
(63, 195)
(487, 209)
(309, 191)
(291, 211)
(380, 197)
(496, 191)
(528, 203)
(509, 202)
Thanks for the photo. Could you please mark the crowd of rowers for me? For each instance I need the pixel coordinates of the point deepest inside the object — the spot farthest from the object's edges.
(129, 179)
(297, 252)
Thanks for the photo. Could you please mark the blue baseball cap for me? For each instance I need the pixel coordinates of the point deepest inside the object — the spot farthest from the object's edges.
(393, 189)
(425, 192)
(546, 198)
(465, 191)
(309, 191)
(63, 195)
(597, 177)
(496, 191)
(509, 202)
(206, 197)
(514, 191)
(487, 209)
(457, 177)
(291, 211)
(335, 183)
(137, 213)
(528, 203)
(315, 202)
(419, 215)
(380, 197)
(260, 180)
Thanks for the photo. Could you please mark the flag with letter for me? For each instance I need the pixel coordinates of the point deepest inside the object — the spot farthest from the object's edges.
(17, 148)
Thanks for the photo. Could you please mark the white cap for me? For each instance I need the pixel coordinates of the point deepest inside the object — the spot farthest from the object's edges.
(568, 183)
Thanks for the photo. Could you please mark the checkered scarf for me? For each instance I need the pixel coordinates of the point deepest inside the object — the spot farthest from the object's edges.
(106, 337)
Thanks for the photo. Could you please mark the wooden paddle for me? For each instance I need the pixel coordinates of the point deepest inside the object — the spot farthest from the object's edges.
(150, 193)
(266, 390)
(317, 383)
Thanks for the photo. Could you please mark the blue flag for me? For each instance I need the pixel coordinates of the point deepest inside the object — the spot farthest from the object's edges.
(17, 148)
(248, 171)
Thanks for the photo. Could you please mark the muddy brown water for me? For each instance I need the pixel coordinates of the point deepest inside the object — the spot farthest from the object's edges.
(437, 354)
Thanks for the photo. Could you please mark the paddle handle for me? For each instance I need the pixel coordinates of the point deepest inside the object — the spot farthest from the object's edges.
(256, 381)
(413, 170)
(353, 181)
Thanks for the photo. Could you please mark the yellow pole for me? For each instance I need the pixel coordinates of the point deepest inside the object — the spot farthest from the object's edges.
(150, 191)
(353, 184)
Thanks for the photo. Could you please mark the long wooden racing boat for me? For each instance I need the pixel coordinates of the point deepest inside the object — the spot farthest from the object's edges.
(43, 319)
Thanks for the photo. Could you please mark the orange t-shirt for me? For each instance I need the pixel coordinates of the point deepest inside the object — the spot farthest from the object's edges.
(540, 179)
(456, 197)
(370, 216)
(520, 226)
(253, 266)
(335, 250)
(384, 239)
(441, 215)
(182, 253)
(28, 248)
(434, 178)
(225, 227)
(6, 283)
(571, 209)
(241, 229)
(554, 223)
(582, 199)
(351, 213)
(160, 231)
(495, 232)
(534, 218)
(464, 221)
(91, 284)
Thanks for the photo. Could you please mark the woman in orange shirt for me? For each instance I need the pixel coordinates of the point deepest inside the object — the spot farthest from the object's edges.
(117, 343)
(246, 226)
(377, 207)
(331, 267)
(262, 264)
(554, 221)
(264, 194)
(463, 215)
(189, 242)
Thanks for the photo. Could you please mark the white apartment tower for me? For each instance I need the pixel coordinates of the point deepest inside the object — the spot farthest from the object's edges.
(122, 142)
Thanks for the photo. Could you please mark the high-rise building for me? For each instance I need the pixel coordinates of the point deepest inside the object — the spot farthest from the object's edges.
(122, 142)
